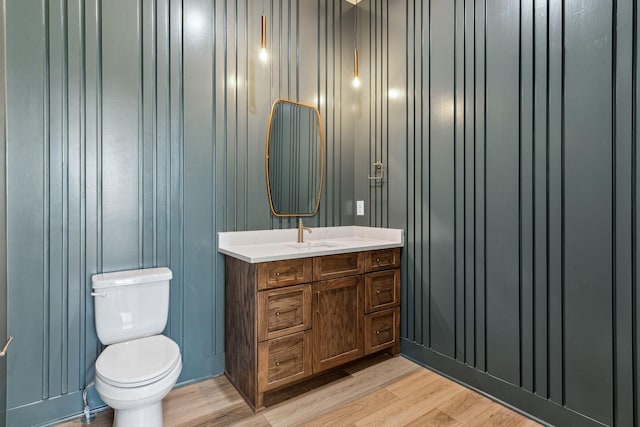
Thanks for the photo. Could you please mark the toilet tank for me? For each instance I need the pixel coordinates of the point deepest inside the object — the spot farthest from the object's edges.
(130, 304)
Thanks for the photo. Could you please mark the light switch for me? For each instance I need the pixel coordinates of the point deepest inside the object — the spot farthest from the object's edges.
(360, 207)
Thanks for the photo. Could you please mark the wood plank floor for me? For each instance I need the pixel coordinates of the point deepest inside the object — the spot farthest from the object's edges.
(394, 392)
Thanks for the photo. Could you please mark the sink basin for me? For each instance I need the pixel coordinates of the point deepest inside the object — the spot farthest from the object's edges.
(312, 245)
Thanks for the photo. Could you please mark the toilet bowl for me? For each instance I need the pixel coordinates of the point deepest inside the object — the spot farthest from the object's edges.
(134, 376)
(139, 367)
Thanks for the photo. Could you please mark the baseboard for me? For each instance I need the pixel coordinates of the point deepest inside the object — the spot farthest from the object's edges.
(529, 404)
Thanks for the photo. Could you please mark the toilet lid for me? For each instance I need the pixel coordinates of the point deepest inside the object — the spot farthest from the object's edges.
(137, 362)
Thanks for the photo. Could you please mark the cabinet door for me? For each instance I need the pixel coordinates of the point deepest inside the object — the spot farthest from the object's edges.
(338, 322)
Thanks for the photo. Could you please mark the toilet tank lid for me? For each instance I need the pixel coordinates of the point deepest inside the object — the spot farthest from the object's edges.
(130, 277)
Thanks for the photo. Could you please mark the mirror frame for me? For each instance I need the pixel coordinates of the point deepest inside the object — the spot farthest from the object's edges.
(322, 155)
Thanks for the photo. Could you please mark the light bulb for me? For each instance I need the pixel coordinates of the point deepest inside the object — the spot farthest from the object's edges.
(264, 56)
(356, 82)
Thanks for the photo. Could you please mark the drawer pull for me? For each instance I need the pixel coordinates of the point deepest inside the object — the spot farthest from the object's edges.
(278, 273)
(377, 259)
(382, 330)
(278, 313)
(286, 360)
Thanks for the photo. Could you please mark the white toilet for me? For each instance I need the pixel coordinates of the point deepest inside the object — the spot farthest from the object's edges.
(139, 367)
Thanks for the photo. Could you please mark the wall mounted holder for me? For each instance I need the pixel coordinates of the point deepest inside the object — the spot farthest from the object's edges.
(379, 171)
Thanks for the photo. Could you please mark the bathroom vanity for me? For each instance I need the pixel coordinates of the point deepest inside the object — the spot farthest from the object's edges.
(294, 311)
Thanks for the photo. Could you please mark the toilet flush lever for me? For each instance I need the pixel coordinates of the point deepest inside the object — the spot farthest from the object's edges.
(98, 294)
(6, 347)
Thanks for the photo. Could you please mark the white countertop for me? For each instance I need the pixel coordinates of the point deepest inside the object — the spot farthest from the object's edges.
(274, 245)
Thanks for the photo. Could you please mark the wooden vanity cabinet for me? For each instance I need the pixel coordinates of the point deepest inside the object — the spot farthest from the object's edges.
(289, 320)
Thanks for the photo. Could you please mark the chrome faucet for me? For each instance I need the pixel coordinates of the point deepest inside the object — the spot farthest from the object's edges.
(301, 229)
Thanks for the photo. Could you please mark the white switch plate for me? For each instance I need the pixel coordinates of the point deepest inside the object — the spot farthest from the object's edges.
(360, 207)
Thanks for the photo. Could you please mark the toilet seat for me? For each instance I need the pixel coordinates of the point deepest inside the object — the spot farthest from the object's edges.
(138, 362)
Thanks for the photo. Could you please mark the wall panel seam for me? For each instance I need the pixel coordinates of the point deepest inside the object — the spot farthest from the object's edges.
(614, 198)
(154, 133)
(83, 199)
(181, 143)
(634, 210)
(547, 208)
(46, 259)
(520, 302)
(484, 192)
(475, 221)
(533, 190)
(464, 181)
(429, 140)
(99, 134)
(65, 203)
(141, 134)
(246, 122)
(563, 206)
(455, 181)
(214, 170)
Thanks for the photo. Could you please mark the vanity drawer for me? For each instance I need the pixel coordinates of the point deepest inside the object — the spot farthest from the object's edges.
(382, 290)
(283, 311)
(382, 259)
(276, 274)
(340, 265)
(284, 360)
(381, 330)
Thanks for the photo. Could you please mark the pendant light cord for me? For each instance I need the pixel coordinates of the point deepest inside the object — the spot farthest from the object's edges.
(355, 27)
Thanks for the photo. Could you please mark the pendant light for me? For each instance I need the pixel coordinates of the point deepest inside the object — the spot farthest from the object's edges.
(264, 55)
(356, 60)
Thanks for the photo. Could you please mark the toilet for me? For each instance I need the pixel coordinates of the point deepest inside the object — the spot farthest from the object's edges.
(139, 366)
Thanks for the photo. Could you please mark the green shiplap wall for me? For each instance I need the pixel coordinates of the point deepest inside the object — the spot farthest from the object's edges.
(509, 134)
(135, 131)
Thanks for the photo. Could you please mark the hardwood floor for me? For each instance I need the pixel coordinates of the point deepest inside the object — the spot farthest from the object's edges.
(394, 392)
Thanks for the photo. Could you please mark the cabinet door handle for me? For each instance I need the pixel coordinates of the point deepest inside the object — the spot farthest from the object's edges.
(6, 347)
(318, 302)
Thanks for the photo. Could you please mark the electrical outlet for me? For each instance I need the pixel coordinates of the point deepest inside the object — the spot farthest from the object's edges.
(360, 208)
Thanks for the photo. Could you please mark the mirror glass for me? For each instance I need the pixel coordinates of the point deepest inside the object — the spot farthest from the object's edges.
(295, 158)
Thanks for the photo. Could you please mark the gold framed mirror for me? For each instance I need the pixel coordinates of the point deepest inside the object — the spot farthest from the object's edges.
(294, 158)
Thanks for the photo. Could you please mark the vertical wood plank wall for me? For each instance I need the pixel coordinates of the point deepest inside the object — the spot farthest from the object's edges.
(136, 131)
(509, 134)
(508, 131)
